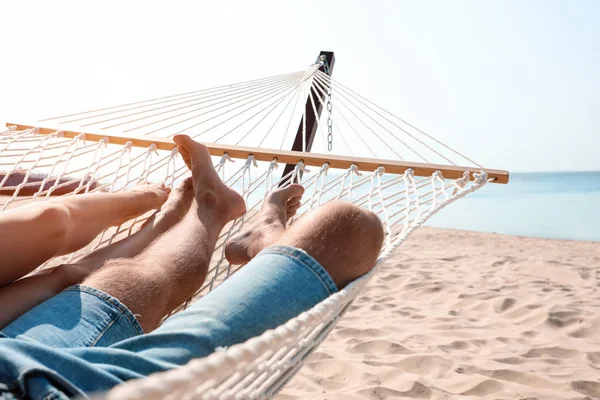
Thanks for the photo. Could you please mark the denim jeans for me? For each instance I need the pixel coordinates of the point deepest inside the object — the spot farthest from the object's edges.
(83, 340)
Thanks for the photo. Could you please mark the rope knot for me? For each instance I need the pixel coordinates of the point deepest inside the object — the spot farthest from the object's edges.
(152, 148)
(104, 141)
(325, 168)
(301, 167)
(250, 162)
(354, 169)
(481, 177)
(273, 165)
(127, 146)
(409, 172)
(174, 151)
(437, 174)
(226, 157)
(380, 171)
(462, 182)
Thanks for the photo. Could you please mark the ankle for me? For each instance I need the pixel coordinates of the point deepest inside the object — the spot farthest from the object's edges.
(208, 198)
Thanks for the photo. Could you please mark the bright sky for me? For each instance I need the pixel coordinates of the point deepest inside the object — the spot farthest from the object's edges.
(514, 84)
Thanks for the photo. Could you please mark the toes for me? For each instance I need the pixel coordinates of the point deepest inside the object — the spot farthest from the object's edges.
(293, 190)
(183, 141)
(294, 201)
(193, 153)
(184, 148)
(289, 192)
(295, 204)
(292, 210)
(163, 188)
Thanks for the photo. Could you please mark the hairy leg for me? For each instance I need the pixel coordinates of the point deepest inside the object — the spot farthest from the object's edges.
(265, 228)
(34, 233)
(173, 267)
(343, 238)
(24, 294)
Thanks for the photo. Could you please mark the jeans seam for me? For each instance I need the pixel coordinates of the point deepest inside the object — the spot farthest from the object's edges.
(313, 265)
(101, 334)
(133, 321)
(111, 319)
(113, 302)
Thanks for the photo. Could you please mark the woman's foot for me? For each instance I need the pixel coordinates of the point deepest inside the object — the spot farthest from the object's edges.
(143, 198)
(174, 209)
(262, 231)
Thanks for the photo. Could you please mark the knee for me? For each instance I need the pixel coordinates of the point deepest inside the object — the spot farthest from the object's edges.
(359, 225)
(344, 238)
(56, 220)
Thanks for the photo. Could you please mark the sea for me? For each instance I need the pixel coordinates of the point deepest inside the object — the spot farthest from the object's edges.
(558, 205)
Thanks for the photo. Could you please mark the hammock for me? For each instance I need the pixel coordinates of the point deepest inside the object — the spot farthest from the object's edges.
(115, 148)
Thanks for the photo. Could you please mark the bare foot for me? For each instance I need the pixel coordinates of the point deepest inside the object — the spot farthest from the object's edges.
(154, 194)
(175, 208)
(208, 187)
(279, 206)
(145, 198)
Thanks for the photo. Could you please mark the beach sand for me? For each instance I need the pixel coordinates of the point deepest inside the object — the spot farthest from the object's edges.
(457, 314)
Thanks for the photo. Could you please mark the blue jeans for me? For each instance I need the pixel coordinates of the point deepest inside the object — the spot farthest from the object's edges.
(84, 341)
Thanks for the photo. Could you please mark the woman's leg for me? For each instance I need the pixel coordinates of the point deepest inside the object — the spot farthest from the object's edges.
(21, 296)
(34, 233)
(24, 294)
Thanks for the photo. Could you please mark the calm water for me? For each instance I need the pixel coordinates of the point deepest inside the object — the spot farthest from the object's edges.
(560, 205)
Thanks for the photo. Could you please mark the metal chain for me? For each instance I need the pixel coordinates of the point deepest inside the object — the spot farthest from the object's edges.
(329, 121)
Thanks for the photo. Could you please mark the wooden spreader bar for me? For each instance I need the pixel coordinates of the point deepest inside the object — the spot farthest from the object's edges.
(288, 157)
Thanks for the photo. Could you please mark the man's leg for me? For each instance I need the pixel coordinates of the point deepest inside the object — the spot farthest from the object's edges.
(172, 268)
(34, 233)
(343, 238)
(323, 251)
(339, 242)
(26, 293)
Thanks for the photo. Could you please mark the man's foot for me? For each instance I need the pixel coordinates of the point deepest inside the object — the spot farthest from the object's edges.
(144, 198)
(209, 189)
(279, 206)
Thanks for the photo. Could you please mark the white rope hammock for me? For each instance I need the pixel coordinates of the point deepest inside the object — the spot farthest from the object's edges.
(260, 112)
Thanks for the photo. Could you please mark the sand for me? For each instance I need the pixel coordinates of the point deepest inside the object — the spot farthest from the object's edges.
(457, 314)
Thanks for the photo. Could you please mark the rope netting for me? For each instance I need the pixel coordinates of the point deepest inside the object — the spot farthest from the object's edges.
(263, 113)
(267, 113)
(51, 164)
